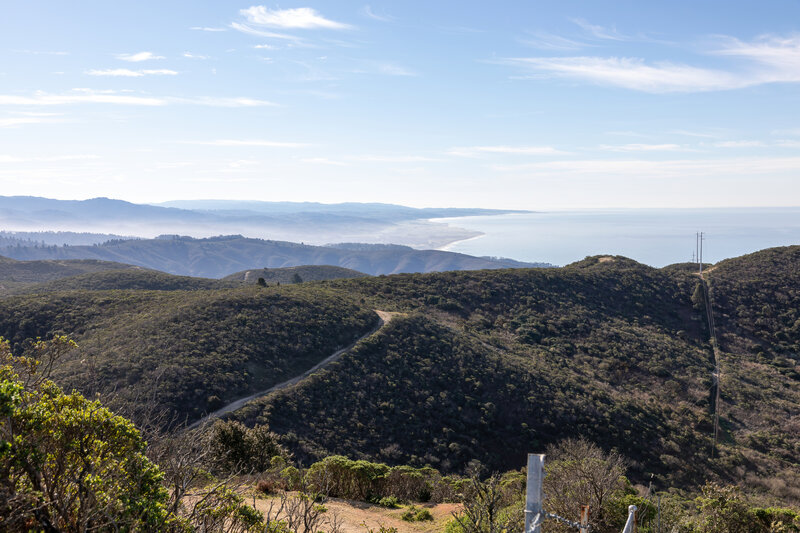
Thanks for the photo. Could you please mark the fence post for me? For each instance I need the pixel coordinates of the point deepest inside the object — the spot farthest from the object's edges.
(584, 519)
(630, 525)
(533, 497)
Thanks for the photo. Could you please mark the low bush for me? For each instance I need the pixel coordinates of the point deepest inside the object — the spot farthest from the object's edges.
(390, 502)
(413, 514)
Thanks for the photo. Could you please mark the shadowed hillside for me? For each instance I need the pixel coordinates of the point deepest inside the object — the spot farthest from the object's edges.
(14, 274)
(188, 352)
(217, 257)
(133, 278)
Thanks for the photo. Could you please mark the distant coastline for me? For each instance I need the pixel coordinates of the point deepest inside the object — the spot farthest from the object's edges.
(656, 237)
(449, 246)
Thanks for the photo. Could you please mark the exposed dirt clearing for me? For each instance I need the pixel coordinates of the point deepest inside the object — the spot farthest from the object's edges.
(357, 517)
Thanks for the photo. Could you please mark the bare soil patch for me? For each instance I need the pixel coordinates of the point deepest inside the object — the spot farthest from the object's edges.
(358, 517)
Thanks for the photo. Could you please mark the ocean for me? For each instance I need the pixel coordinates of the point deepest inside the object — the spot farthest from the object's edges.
(656, 237)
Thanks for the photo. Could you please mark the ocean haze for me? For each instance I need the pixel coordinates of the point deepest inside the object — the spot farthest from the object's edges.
(656, 237)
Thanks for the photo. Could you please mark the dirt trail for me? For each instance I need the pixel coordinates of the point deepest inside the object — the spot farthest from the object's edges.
(385, 318)
(358, 517)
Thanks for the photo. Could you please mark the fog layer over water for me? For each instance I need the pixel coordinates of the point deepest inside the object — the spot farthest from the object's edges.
(656, 237)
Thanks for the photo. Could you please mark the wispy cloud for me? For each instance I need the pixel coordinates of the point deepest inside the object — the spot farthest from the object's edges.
(382, 67)
(788, 144)
(739, 144)
(29, 118)
(549, 41)
(782, 143)
(600, 32)
(781, 53)
(90, 96)
(217, 101)
(768, 59)
(297, 18)
(474, 151)
(4, 158)
(244, 28)
(80, 96)
(633, 73)
(250, 142)
(395, 70)
(189, 55)
(642, 168)
(128, 73)
(689, 133)
(639, 147)
(392, 158)
(203, 28)
(369, 13)
(138, 57)
(323, 161)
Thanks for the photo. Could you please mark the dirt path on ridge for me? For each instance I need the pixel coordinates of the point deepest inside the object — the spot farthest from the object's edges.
(385, 318)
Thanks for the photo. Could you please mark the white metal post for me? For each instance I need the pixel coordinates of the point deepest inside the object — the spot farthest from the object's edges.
(630, 525)
(533, 497)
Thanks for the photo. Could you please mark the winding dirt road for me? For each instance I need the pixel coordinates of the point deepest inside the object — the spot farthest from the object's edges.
(385, 318)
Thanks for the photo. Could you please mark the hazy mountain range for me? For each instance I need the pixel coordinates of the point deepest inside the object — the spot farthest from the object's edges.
(217, 257)
(292, 221)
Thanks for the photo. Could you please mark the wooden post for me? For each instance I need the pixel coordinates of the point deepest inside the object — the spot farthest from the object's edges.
(584, 519)
(533, 497)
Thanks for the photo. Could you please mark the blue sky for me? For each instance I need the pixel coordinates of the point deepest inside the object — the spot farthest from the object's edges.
(532, 105)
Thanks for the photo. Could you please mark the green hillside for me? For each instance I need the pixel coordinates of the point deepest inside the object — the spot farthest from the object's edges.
(135, 278)
(15, 274)
(756, 301)
(481, 365)
(188, 352)
(492, 365)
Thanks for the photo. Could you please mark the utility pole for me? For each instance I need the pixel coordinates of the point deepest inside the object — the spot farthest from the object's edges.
(696, 256)
(701, 252)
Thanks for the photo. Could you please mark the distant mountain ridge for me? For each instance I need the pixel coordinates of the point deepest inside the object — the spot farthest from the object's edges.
(291, 221)
(366, 210)
(217, 257)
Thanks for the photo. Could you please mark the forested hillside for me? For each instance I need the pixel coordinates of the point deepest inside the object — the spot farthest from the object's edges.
(756, 301)
(217, 257)
(480, 365)
(492, 365)
(133, 278)
(188, 352)
(15, 274)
